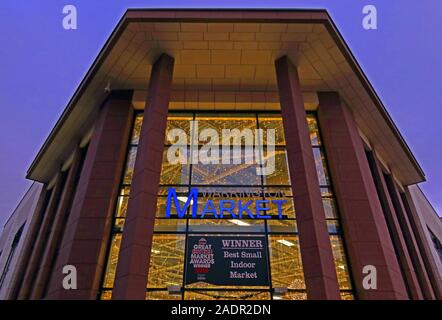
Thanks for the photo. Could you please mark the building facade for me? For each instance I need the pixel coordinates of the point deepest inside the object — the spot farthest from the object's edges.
(236, 154)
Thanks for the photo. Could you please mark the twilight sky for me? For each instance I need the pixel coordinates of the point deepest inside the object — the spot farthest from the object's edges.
(41, 65)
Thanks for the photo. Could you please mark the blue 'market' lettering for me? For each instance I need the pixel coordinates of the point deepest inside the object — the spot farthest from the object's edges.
(226, 207)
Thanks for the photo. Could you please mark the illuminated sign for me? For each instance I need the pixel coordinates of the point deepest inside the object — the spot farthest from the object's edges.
(232, 209)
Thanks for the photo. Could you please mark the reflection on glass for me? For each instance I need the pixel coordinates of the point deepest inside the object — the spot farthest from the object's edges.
(285, 262)
(112, 261)
(340, 262)
(166, 261)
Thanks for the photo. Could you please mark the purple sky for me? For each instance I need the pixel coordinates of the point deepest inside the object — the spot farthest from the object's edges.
(41, 64)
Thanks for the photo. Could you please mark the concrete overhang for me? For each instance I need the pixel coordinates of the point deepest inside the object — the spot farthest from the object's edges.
(227, 56)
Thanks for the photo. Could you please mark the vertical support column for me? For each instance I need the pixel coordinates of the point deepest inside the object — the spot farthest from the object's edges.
(40, 241)
(316, 252)
(419, 231)
(56, 228)
(395, 228)
(87, 232)
(134, 256)
(23, 262)
(364, 225)
(410, 239)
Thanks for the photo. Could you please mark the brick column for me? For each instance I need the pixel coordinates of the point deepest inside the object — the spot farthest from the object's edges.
(57, 228)
(419, 231)
(316, 252)
(87, 232)
(25, 256)
(410, 239)
(134, 256)
(363, 222)
(399, 243)
(40, 242)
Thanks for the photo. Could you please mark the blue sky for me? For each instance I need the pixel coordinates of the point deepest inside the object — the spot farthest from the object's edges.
(41, 65)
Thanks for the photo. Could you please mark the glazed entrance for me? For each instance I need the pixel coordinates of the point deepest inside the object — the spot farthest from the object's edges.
(195, 257)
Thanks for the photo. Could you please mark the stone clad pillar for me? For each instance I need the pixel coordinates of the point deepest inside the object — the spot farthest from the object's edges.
(316, 252)
(397, 235)
(134, 256)
(25, 256)
(410, 239)
(59, 222)
(40, 242)
(365, 230)
(87, 231)
(418, 226)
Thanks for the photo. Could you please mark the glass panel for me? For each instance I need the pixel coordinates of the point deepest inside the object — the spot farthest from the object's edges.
(226, 174)
(321, 167)
(122, 203)
(161, 205)
(290, 295)
(282, 226)
(313, 129)
(330, 208)
(220, 122)
(166, 261)
(162, 295)
(226, 225)
(181, 122)
(130, 164)
(170, 225)
(326, 192)
(347, 295)
(269, 121)
(162, 191)
(137, 129)
(340, 262)
(283, 204)
(283, 191)
(280, 176)
(226, 295)
(106, 295)
(174, 173)
(285, 262)
(112, 261)
(333, 227)
(119, 225)
(236, 212)
(125, 191)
